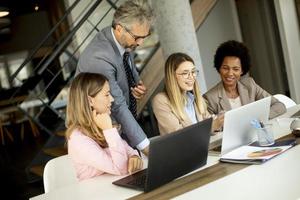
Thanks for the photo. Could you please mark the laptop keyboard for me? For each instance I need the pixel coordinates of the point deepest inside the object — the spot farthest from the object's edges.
(138, 181)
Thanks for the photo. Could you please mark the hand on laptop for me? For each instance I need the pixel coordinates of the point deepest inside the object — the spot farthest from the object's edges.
(135, 163)
(146, 150)
(218, 122)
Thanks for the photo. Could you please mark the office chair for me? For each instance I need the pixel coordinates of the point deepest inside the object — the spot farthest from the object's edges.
(288, 102)
(58, 173)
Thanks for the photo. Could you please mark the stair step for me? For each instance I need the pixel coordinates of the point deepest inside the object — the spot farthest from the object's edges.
(56, 151)
(37, 170)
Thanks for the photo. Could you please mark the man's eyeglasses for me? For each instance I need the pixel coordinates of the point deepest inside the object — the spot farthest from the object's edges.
(135, 37)
(186, 75)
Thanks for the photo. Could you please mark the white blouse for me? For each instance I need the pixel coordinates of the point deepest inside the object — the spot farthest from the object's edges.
(235, 103)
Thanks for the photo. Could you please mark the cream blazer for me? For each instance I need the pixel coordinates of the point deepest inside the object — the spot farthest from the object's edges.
(167, 120)
(249, 92)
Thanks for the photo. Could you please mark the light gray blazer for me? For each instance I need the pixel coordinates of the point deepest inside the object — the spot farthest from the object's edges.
(102, 56)
(249, 91)
(167, 121)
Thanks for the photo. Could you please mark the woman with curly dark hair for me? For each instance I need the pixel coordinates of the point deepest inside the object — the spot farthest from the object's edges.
(232, 61)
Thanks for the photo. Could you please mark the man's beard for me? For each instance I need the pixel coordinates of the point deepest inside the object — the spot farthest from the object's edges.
(131, 47)
(126, 46)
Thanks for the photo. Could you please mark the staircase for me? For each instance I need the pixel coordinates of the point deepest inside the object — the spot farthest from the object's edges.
(46, 88)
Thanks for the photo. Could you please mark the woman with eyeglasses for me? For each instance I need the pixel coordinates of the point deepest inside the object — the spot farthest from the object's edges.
(232, 61)
(181, 103)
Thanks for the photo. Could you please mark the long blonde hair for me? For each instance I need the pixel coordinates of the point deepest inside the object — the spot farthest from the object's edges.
(79, 112)
(173, 91)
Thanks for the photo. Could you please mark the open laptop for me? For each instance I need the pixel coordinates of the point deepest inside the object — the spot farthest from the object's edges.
(172, 156)
(236, 129)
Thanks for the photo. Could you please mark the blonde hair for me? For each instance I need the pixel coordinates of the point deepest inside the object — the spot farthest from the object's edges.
(79, 112)
(173, 91)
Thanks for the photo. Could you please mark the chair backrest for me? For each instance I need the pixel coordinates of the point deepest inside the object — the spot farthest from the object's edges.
(59, 172)
(287, 101)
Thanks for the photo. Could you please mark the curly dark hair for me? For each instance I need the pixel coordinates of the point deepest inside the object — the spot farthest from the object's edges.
(233, 48)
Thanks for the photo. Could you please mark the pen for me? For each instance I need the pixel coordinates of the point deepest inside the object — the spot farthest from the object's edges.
(261, 124)
(255, 123)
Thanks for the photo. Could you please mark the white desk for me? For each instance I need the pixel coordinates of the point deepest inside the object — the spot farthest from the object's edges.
(253, 182)
(99, 188)
(277, 179)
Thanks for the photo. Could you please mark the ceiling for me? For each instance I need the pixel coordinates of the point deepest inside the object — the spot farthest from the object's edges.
(17, 8)
(20, 7)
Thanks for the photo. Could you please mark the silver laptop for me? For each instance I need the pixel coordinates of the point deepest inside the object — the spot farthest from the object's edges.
(172, 156)
(236, 129)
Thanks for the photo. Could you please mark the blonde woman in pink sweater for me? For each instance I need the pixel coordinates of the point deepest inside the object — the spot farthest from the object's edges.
(94, 145)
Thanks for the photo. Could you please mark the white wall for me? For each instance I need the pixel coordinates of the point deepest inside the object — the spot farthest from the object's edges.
(221, 25)
(290, 40)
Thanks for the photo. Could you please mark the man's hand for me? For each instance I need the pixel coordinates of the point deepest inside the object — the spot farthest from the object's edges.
(139, 90)
(134, 163)
(146, 151)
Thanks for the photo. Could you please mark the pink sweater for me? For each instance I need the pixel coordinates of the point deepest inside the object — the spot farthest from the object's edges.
(90, 159)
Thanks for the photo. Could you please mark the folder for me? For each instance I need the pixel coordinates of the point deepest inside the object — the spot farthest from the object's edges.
(254, 154)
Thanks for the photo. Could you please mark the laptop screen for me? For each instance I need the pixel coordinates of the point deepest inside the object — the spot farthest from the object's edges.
(174, 155)
(237, 126)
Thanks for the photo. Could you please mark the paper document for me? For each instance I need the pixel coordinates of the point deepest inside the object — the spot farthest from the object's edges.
(253, 154)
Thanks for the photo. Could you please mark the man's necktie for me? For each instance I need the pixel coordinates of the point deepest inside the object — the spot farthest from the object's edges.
(131, 83)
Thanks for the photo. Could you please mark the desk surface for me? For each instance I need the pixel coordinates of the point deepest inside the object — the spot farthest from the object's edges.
(279, 178)
(99, 187)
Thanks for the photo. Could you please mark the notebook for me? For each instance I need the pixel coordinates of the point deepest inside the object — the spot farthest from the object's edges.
(255, 154)
(172, 156)
(237, 124)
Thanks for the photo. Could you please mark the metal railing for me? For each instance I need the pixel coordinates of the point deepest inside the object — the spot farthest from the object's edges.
(44, 66)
